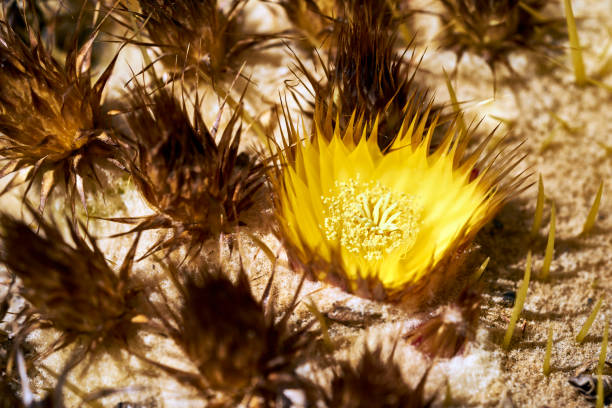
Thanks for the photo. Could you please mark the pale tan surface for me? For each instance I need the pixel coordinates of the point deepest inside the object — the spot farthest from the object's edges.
(572, 167)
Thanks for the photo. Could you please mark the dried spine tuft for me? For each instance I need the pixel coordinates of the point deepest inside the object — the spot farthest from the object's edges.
(238, 344)
(51, 116)
(199, 37)
(375, 383)
(494, 29)
(199, 186)
(71, 288)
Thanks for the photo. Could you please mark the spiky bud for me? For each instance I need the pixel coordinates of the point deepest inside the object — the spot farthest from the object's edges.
(447, 332)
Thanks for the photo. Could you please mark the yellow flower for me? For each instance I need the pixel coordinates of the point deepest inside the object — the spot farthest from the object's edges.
(386, 224)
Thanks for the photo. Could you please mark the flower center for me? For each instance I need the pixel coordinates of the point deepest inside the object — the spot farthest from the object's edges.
(370, 220)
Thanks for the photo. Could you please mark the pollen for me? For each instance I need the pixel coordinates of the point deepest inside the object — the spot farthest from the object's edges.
(370, 220)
